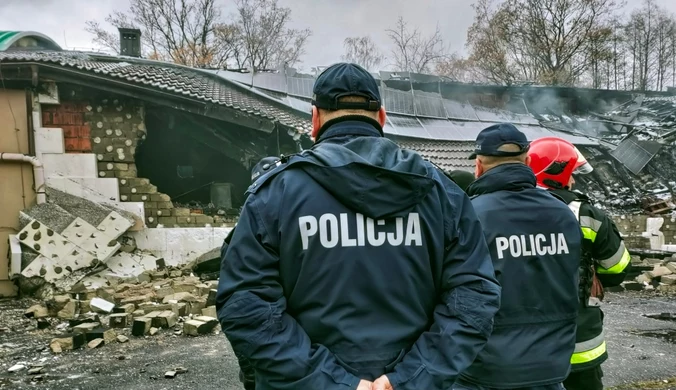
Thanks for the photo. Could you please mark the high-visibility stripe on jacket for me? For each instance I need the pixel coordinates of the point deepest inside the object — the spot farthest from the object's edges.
(611, 261)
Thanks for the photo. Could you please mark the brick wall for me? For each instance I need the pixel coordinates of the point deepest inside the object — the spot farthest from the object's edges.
(112, 128)
(70, 117)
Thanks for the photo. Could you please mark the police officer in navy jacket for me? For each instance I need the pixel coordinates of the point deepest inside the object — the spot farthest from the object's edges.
(356, 264)
(535, 243)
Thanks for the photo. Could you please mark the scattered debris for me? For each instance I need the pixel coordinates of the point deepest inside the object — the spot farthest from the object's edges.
(16, 368)
(101, 305)
(654, 275)
(662, 316)
(122, 339)
(170, 374)
(96, 343)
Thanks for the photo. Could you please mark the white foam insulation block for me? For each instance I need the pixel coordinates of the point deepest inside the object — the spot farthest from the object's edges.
(114, 225)
(15, 255)
(91, 239)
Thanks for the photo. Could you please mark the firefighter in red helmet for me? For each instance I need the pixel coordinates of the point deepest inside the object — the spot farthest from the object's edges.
(605, 260)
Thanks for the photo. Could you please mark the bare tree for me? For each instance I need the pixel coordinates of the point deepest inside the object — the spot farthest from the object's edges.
(457, 68)
(180, 31)
(193, 33)
(414, 52)
(539, 40)
(265, 40)
(363, 51)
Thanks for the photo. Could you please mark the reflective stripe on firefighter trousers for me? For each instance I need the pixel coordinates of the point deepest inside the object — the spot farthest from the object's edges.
(590, 350)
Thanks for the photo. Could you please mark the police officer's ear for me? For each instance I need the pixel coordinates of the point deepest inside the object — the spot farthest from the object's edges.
(382, 116)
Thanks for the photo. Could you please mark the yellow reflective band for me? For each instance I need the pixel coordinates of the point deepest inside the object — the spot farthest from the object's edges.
(617, 268)
(588, 356)
(589, 234)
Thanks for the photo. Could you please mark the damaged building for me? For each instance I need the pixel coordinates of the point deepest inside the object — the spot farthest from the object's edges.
(155, 145)
(121, 167)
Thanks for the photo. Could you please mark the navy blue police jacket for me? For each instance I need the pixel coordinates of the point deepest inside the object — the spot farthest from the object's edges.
(535, 242)
(356, 259)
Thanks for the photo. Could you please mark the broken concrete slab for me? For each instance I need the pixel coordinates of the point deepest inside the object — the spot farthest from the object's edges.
(86, 327)
(96, 343)
(137, 300)
(195, 328)
(167, 319)
(668, 280)
(119, 320)
(212, 321)
(208, 262)
(108, 335)
(180, 297)
(36, 311)
(659, 271)
(210, 311)
(122, 339)
(128, 308)
(195, 308)
(67, 342)
(671, 266)
(86, 318)
(141, 326)
(211, 299)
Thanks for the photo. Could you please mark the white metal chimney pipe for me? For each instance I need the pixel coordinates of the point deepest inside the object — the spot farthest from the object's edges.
(38, 172)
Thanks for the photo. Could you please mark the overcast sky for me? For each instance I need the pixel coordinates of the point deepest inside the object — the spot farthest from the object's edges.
(330, 20)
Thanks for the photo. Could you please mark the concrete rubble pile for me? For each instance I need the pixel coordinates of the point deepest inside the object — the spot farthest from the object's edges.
(159, 300)
(656, 275)
(70, 241)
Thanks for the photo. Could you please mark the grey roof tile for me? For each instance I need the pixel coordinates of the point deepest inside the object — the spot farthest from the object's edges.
(448, 155)
(194, 83)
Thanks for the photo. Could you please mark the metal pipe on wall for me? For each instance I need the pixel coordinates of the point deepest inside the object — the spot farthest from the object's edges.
(38, 172)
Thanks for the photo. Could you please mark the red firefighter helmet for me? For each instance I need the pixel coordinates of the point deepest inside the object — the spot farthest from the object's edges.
(553, 161)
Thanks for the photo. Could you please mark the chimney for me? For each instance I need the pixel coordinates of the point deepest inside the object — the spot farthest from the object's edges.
(130, 42)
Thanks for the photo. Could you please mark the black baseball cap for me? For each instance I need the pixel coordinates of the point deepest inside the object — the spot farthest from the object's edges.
(345, 79)
(491, 138)
(263, 166)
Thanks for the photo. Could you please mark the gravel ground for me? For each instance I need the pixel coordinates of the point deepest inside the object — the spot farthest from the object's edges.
(641, 350)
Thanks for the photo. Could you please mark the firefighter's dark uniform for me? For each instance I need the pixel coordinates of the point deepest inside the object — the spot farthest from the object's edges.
(605, 263)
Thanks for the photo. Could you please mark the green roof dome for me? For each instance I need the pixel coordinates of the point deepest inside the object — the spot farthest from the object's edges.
(26, 40)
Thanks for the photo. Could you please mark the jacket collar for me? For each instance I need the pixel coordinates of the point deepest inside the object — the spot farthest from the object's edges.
(569, 196)
(506, 177)
(350, 125)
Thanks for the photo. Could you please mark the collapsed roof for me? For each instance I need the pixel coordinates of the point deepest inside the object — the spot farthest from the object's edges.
(438, 118)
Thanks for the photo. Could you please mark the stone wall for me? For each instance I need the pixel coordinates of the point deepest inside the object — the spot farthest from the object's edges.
(112, 127)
